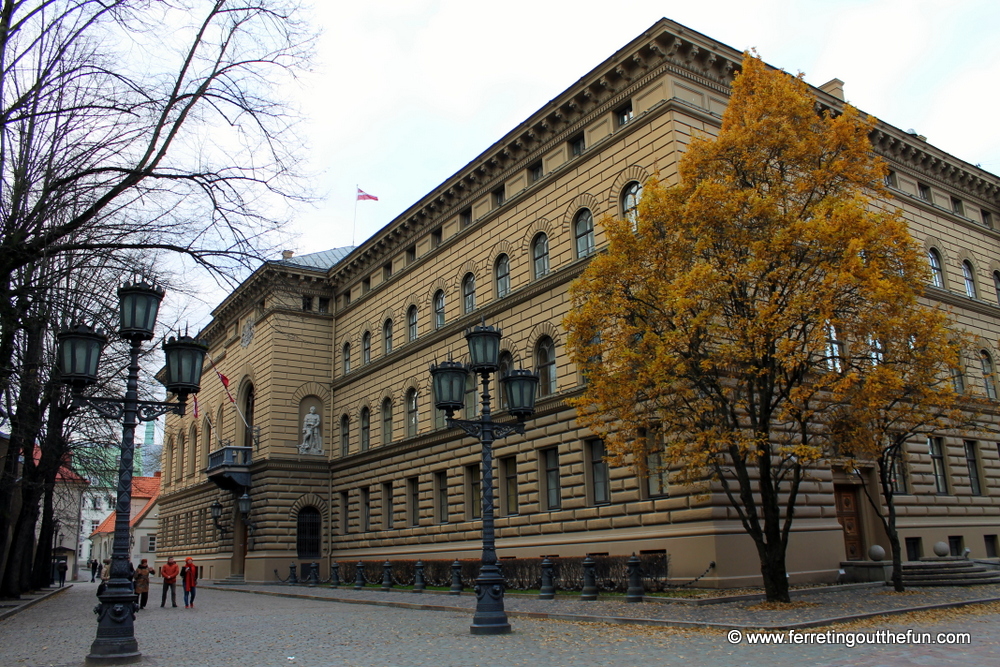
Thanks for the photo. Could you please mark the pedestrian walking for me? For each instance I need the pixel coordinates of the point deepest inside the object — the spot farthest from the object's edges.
(105, 576)
(95, 566)
(189, 576)
(169, 573)
(61, 568)
(141, 583)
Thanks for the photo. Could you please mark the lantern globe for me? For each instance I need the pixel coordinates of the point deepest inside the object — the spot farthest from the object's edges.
(216, 509)
(185, 359)
(448, 381)
(243, 503)
(484, 349)
(520, 387)
(139, 304)
(79, 353)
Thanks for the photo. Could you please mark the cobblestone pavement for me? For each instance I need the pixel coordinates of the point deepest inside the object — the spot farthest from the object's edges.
(231, 628)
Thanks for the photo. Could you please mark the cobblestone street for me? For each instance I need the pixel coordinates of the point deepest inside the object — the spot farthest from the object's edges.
(250, 630)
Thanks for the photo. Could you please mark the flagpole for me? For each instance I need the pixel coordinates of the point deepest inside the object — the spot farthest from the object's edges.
(354, 223)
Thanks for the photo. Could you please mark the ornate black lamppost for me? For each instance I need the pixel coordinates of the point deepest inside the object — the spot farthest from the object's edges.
(79, 352)
(449, 380)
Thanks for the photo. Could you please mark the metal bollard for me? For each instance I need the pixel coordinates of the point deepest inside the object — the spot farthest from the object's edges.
(456, 578)
(418, 578)
(359, 576)
(314, 574)
(635, 591)
(589, 592)
(292, 579)
(548, 590)
(387, 576)
(334, 574)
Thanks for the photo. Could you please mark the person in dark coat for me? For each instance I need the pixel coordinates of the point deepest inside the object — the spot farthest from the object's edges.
(141, 583)
(95, 565)
(61, 568)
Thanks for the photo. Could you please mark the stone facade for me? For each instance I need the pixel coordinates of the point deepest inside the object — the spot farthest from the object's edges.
(310, 331)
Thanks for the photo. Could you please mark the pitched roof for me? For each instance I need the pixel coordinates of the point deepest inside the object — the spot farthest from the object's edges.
(323, 260)
(142, 487)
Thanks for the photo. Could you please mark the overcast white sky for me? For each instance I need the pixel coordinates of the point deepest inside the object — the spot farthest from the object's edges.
(406, 92)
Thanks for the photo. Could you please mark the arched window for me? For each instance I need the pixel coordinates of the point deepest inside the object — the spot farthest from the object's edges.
(937, 273)
(996, 284)
(345, 435)
(347, 358)
(179, 456)
(468, 293)
(504, 366)
(193, 457)
(471, 396)
(545, 366)
(631, 195)
(411, 323)
(387, 337)
(438, 309)
(366, 429)
(366, 348)
(988, 378)
(307, 532)
(970, 281)
(540, 255)
(248, 407)
(502, 273)
(208, 438)
(583, 229)
(387, 421)
(411, 413)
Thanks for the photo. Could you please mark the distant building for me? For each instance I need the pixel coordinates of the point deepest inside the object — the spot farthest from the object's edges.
(350, 332)
(143, 525)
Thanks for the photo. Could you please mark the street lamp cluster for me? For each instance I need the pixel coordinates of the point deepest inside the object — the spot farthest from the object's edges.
(520, 387)
(78, 356)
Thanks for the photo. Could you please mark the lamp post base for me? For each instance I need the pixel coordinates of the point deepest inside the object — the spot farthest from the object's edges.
(115, 643)
(490, 618)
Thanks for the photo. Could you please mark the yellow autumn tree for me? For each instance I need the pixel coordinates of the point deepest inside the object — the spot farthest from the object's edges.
(722, 319)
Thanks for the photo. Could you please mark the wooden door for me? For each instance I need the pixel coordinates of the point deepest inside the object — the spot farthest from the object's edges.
(846, 498)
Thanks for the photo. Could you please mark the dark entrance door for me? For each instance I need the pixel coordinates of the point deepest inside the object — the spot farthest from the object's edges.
(846, 498)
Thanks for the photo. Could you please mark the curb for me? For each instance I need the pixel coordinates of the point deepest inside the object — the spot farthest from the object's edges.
(629, 620)
(21, 607)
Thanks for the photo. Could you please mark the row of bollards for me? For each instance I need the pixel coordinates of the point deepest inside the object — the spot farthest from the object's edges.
(634, 593)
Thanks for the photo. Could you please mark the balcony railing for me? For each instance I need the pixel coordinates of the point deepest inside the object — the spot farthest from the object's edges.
(230, 456)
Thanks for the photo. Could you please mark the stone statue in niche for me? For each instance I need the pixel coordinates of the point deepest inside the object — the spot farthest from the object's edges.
(312, 439)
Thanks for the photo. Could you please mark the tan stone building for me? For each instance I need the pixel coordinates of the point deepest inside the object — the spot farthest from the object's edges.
(351, 332)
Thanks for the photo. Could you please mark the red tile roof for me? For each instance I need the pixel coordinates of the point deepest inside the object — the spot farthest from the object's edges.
(142, 487)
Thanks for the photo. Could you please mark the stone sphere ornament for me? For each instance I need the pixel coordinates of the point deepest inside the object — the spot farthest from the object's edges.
(876, 552)
(941, 549)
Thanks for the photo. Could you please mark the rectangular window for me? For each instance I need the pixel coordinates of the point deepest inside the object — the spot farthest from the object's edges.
(957, 207)
(441, 496)
(386, 505)
(991, 545)
(623, 114)
(936, 448)
(972, 460)
(151, 541)
(307, 303)
(987, 218)
(473, 493)
(324, 304)
(465, 217)
(366, 510)
(436, 237)
(386, 271)
(413, 500)
(657, 475)
(411, 255)
(508, 472)
(956, 544)
(890, 179)
(553, 494)
(499, 196)
(577, 145)
(899, 481)
(600, 485)
(344, 507)
(347, 298)
(366, 285)
(924, 191)
(914, 548)
(535, 172)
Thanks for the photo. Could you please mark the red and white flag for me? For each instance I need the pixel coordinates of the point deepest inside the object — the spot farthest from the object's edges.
(225, 383)
(196, 406)
(364, 196)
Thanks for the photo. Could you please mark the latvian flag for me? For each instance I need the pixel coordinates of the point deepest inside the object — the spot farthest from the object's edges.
(364, 196)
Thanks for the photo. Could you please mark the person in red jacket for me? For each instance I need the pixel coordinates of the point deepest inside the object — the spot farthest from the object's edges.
(169, 574)
(189, 577)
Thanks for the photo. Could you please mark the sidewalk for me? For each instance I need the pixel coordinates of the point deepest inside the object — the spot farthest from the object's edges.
(810, 608)
(10, 607)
